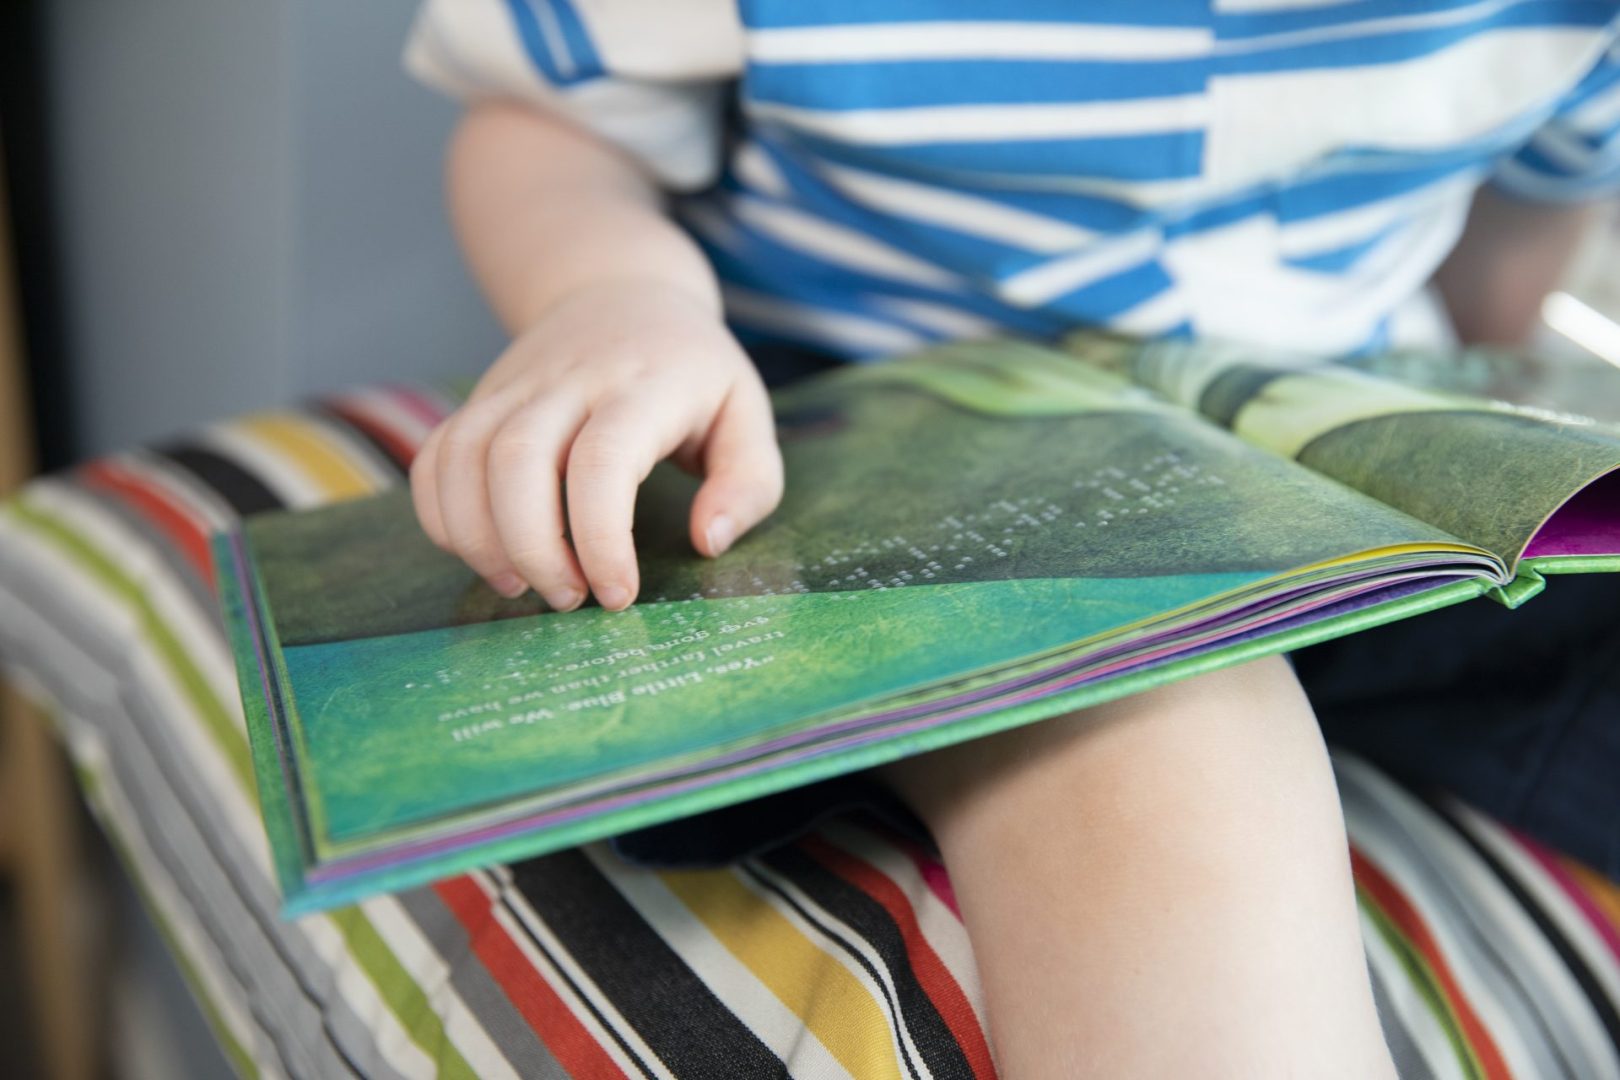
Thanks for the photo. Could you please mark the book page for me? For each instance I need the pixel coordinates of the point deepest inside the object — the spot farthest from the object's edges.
(1397, 428)
(949, 514)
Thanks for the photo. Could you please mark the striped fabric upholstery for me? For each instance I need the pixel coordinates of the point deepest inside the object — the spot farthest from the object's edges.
(839, 956)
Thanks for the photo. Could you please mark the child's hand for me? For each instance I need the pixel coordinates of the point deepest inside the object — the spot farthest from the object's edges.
(611, 380)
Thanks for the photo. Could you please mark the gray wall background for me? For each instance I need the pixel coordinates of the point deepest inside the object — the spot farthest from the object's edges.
(249, 209)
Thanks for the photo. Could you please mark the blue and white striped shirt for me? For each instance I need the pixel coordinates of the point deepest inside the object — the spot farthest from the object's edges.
(894, 172)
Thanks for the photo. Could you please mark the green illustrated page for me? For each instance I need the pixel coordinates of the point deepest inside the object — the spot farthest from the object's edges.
(948, 519)
(1574, 383)
(1487, 449)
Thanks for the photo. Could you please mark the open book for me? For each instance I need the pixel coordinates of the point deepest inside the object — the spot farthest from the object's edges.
(974, 538)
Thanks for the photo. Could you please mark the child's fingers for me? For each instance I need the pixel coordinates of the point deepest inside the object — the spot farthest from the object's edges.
(425, 489)
(610, 457)
(463, 493)
(742, 468)
(525, 496)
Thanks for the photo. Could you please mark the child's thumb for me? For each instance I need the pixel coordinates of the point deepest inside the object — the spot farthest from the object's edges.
(742, 473)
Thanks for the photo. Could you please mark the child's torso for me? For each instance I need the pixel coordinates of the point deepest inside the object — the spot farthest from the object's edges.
(1286, 171)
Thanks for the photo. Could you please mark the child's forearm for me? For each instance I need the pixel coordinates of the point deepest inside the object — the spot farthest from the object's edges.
(1511, 255)
(543, 210)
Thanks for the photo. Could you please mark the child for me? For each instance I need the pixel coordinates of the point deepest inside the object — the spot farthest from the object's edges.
(1159, 886)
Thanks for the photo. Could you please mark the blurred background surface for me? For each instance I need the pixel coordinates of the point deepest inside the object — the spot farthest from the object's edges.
(236, 203)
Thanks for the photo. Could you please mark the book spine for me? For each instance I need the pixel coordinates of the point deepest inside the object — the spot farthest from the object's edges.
(1525, 584)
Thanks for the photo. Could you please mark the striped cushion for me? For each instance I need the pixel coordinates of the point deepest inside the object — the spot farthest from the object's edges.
(841, 955)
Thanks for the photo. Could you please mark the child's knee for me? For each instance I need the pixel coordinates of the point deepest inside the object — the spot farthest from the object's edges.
(1235, 742)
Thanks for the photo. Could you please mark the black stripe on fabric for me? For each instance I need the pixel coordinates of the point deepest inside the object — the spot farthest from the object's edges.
(245, 493)
(1601, 1005)
(504, 892)
(868, 918)
(849, 948)
(335, 417)
(675, 1013)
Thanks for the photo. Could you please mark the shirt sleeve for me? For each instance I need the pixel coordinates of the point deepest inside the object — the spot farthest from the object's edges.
(1575, 155)
(647, 75)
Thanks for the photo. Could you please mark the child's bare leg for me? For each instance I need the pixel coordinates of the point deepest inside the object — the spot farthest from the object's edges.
(1159, 887)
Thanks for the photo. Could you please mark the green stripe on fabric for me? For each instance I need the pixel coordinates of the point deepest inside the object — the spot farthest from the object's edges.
(231, 742)
(1424, 982)
(239, 1058)
(401, 992)
(394, 984)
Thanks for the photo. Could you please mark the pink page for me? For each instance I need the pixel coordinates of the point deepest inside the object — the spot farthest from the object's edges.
(1588, 524)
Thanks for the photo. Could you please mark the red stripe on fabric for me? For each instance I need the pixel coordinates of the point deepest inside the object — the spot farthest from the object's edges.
(423, 407)
(187, 533)
(575, 1049)
(400, 447)
(1399, 910)
(1574, 890)
(938, 880)
(933, 871)
(934, 977)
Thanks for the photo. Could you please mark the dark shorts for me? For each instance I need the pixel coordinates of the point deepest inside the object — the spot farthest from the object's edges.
(1516, 712)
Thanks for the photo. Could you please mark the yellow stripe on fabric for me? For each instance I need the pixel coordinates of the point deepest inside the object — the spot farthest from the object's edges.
(325, 462)
(396, 986)
(1600, 891)
(834, 1005)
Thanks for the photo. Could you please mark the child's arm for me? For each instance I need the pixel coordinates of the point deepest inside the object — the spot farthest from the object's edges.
(619, 359)
(1510, 256)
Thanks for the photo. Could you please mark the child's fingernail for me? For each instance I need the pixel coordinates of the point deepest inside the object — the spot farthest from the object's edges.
(508, 585)
(721, 533)
(568, 600)
(613, 597)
